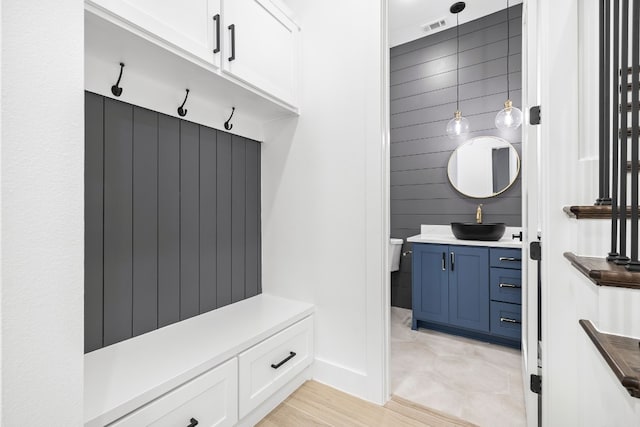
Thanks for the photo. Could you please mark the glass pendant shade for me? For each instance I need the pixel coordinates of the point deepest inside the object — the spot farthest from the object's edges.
(510, 117)
(458, 126)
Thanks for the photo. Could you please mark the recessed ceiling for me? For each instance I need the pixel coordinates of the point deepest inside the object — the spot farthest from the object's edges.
(408, 17)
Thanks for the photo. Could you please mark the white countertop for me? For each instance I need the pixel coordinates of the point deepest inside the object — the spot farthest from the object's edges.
(121, 377)
(442, 234)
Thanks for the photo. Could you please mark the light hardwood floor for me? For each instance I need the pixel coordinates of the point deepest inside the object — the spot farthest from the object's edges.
(315, 404)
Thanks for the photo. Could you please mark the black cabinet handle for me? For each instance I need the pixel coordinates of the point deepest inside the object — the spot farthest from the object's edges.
(232, 28)
(285, 360)
(216, 19)
(453, 261)
(193, 422)
(444, 261)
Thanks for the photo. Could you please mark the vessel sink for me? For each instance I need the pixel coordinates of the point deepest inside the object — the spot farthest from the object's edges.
(473, 231)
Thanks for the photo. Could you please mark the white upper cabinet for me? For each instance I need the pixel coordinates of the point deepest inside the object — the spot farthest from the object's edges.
(190, 25)
(261, 47)
(251, 43)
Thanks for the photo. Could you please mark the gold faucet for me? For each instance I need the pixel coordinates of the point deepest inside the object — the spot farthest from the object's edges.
(479, 214)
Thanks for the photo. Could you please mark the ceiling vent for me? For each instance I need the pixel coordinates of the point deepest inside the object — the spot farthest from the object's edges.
(435, 25)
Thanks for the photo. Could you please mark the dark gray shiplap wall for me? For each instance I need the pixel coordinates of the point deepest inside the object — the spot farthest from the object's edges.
(423, 100)
(172, 220)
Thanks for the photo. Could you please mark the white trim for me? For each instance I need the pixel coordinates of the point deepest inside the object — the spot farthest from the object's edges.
(386, 203)
(341, 377)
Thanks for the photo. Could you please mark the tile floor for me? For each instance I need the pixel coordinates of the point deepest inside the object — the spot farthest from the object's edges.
(476, 381)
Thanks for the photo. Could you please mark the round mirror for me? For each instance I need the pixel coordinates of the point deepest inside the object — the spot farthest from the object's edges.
(483, 167)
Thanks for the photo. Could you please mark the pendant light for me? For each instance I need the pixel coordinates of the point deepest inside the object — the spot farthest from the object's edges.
(510, 117)
(458, 126)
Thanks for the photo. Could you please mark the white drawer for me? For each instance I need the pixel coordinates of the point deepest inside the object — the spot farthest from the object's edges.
(263, 369)
(209, 399)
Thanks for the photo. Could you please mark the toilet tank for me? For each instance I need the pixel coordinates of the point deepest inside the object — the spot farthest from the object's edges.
(395, 249)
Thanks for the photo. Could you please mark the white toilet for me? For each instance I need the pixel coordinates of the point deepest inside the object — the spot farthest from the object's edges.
(395, 249)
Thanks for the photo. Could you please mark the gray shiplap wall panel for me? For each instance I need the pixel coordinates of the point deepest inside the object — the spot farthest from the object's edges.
(252, 220)
(94, 146)
(238, 218)
(189, 220)
(223, 224)
(208, 206)
(410, 221)
(429, 191)
(468, 90)
(468, 41)
(145, 221)
(447, 63)
(259, 215)
(419, 176)
(480, 122)
(173, 220)
(448, 206)
(118, 221)
(482, 70)
(495, 88)
(423, 97)
(425, 146)
(168, 220)
(481, 24)
(420, 161)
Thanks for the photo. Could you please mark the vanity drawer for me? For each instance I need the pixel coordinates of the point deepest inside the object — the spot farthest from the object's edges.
(505, 258)
(209, 399)
(506, 320)
(269, 365)
(506, 285)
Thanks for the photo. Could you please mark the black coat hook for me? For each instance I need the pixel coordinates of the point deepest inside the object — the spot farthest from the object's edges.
(116, 89)
(181, 110)
(227, 125)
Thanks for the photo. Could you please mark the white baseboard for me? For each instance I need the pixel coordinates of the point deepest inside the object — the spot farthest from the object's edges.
(342, 378)
(277, 398)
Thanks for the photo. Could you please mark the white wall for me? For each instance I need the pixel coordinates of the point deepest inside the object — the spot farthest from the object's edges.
(41, 197)
(578, 387)
(323, 190)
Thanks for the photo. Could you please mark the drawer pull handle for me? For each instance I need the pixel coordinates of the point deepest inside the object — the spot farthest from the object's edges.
(507, 320)
(509, 285)
(193, 422)
(232, 28)
(285, 360)
(216, 19)
(509, 258)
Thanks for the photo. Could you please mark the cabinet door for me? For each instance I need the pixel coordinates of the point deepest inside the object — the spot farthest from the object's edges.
(430, 290)
(189, 26)
(261, 47)
(469, 287)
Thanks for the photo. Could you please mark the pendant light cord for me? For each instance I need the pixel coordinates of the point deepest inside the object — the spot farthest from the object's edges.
(508, 51)
(457, 62)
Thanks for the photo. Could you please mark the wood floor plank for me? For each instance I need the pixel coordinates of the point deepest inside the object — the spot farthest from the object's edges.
(315, 404)
(425, 415)
(286, 416)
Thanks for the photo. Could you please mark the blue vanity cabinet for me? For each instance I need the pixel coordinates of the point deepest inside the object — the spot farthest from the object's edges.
(430, 287)
(451, 285)
(473, 291)
(469, 287)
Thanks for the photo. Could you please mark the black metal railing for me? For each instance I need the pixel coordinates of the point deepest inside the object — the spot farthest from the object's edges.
(619, 134)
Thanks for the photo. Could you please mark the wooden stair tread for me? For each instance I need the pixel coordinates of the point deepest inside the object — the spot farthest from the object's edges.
(591, 211)
(604, 273)
(629, 166)
(622, 354)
